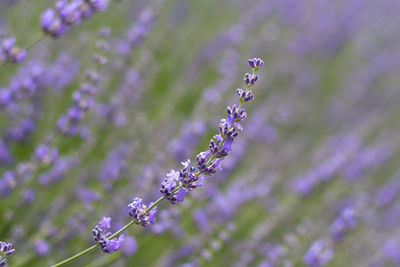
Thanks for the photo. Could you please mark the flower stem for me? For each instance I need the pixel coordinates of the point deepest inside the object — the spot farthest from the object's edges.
(39, 37)
(75, 256)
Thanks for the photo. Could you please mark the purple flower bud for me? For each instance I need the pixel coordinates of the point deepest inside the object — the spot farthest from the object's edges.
(250, 79)
(137, 211)
(105, 32)
(342, 224)
(5, 251)
(105, 223)
(47, 19)
(52, 24)
(17, 55)
(8, 44)
(169, 184)
(99, 59)
(181, 194)
(256, 63)
(114, 244)
(41, 248)
(152, 214)
(93, 76)
(86, 11)
(129, 246)
(5, 97)
(75, 114)
(70, 14)
(29, 195)
(45, 154)
(319, 254)
(98, 5)
(61, 4)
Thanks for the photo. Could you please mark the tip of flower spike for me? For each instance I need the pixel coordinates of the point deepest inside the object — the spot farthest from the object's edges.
(256, 63)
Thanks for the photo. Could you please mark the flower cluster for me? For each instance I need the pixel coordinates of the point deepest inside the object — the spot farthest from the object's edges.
(189, 177)
(69, 13)
(5, 251)
(141, 213)
(138, 31)
(169, 185)
(13, 178)
(256, 63)
(46, 155)
(177, 183)
(102, 238)
(23, 85)
(344, 223)
(68, 123)
(319, 254)
(10, 51)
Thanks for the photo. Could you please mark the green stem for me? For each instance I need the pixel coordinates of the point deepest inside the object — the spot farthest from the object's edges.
(39, 37)
(75, 256)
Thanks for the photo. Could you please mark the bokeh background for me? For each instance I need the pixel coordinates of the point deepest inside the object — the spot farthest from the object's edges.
(313, 179)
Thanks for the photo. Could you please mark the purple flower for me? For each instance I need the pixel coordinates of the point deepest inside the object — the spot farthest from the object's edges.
(102, 238)
(390, 251)
(51, 23)
(114, 244)
(256, 63)
(188, 177)
(70, 14)
(169, 184)
(45, 154)
(152, 214)
(6, 250)
(86, 11)
(130, 246)
(98, 5)
(344, 223)
(138, 212)
(29, 195)
(7, 182)
(17, 55)
(5, 156)
(250, 79)
(105, 223)
(264, 264)
(5, 97)
(180, 195)
(8, 44)
(41, 248)
(244, 96)
(319, 254)
(10, 51)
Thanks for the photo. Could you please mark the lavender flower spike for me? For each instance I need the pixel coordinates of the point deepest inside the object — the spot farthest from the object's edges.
(5, 251)
(68, 14)
(177, 184)
(319, 254)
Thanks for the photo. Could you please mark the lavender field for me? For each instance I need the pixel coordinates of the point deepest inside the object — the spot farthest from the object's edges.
(179, 133)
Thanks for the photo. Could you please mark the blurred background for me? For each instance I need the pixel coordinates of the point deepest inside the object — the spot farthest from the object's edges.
(313, 178)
